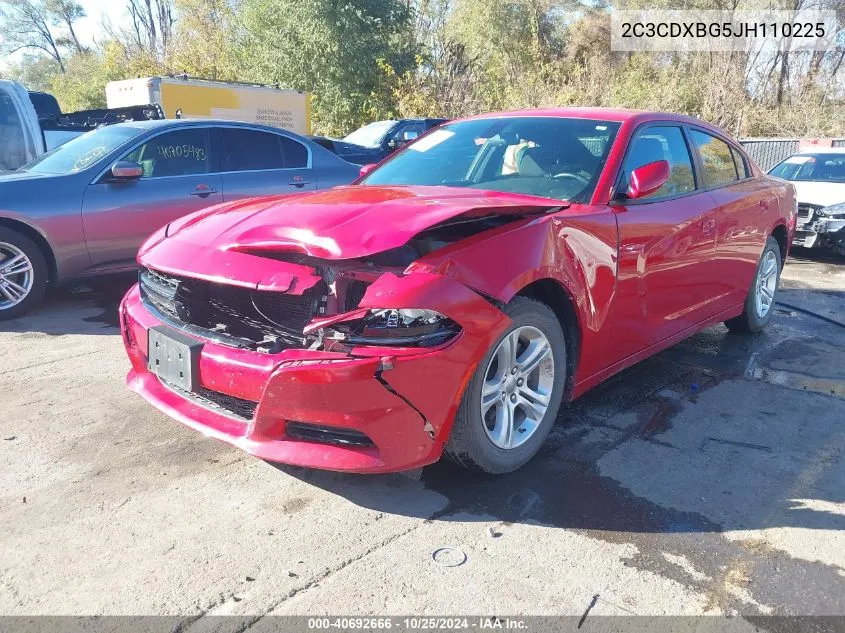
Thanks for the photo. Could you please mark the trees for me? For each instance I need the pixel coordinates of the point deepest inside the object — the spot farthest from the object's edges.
(152, 25)
(331, 48)
(368, 59)
(204, 34)
(40, 25)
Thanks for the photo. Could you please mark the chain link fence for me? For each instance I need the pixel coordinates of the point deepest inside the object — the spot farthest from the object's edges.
(768, 152)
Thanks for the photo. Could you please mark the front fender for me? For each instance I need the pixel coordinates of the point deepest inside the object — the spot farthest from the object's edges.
(580, 252)
(577, 248)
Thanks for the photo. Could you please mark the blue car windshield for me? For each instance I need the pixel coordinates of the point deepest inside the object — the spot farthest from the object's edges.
(552, 157)
(83, 151)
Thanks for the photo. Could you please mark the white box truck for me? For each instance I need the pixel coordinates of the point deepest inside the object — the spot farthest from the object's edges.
(191, 98)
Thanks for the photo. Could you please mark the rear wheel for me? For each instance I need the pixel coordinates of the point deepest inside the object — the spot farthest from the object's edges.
(760, 302)
(511, 403)
(23, 274)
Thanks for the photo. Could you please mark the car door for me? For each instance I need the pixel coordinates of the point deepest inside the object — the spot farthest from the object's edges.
(263, 163)
(666, 244)
(747, 207)
(119, 215)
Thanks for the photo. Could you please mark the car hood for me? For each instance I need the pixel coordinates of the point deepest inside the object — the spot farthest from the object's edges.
(345, 222)
(821, 193)
(18, 176)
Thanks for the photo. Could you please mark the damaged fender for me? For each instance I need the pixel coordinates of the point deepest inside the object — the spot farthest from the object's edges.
(577, 251)
(447, 368)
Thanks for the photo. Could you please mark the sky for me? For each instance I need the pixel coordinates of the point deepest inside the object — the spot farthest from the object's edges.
(90, 28)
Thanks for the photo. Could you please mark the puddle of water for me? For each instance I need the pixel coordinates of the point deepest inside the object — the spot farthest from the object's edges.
(797, 381)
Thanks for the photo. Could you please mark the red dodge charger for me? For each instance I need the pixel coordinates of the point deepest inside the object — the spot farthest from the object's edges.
(456, 295)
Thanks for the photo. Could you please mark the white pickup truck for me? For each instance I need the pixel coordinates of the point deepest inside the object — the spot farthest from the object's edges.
(32, 123)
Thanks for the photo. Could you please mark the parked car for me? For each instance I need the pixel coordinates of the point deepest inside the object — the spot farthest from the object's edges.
(85, 207)
(452, 298)
(376, 141)
(819, 179)
(355, 154)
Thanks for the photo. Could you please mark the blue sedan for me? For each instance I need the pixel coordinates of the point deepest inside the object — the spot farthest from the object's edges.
(85, 207)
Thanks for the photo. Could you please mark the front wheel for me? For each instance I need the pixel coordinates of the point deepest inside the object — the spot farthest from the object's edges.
(23, 274)
(760, 302)
(511, 403)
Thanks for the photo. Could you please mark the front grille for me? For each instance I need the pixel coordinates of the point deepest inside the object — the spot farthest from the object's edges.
(223, 312)
(231, 406)
(327, 434)
(806, 213)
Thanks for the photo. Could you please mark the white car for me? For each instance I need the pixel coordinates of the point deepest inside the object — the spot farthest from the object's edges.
(819, 179)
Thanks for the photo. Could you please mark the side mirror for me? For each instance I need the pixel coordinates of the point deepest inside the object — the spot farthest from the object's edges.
(394, 144)
(647, 179)
(366, 169)
(126, 170)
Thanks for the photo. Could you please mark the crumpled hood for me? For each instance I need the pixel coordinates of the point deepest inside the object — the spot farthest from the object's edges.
(344, 222)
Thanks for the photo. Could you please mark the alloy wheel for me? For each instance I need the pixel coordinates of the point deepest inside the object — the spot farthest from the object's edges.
(517, 387)
(17, 275)
(767, 281)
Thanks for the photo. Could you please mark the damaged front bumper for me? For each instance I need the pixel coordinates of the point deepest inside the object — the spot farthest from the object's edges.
(363, 409)
(817, 230)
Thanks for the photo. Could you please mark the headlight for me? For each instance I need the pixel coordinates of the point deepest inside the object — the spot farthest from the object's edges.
(834, 210)
(390, 327)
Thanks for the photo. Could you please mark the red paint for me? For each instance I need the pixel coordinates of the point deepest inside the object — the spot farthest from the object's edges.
(640, 276)
(366, 169)
(647, 179)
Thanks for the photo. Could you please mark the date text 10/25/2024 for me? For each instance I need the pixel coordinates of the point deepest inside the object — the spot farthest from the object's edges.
(417, 623)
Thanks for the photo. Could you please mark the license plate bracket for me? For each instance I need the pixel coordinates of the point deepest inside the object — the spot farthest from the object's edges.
(173, 357)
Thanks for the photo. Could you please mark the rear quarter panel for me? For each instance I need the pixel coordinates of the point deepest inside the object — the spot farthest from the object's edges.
(329, 169)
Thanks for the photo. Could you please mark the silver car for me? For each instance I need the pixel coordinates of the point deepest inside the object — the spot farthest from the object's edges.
(85, 207)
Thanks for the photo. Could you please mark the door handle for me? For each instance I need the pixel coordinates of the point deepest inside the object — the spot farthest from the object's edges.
(299, 184)
(203, 191)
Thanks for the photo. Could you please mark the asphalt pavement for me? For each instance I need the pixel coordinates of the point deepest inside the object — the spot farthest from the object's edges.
(708, 479)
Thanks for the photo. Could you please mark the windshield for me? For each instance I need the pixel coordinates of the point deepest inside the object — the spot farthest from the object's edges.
(370, 135)
(552, 157)
(812, 167)
(83, 151)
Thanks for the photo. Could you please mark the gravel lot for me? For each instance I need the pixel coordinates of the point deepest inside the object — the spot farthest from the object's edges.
(708, 479)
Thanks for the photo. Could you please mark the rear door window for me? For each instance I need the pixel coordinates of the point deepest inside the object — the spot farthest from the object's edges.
(294, 153)
(741, 165)
(717, 161)
(251, 150)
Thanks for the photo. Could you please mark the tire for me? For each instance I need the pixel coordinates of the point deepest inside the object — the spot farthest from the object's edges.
(472, 443)
(751, 320)
(13, 245)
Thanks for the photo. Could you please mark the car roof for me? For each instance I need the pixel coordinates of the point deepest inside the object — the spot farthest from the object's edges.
(620, 115)
(166, 123)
